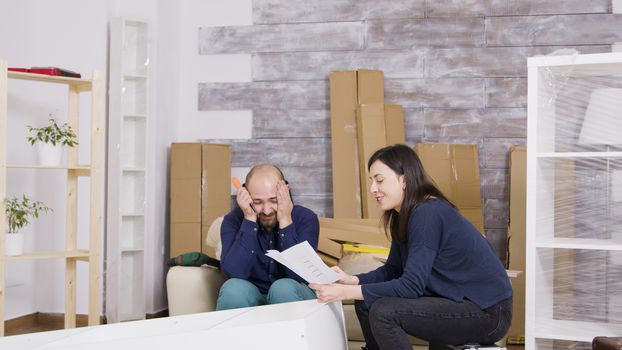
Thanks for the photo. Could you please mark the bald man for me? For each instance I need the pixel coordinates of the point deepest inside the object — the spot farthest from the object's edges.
(265, 219)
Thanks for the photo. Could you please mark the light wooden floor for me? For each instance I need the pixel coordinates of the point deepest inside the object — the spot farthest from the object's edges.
(39, 322)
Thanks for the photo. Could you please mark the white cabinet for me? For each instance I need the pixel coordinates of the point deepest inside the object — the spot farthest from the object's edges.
(92, 172)
(574, 200)
(127, 169)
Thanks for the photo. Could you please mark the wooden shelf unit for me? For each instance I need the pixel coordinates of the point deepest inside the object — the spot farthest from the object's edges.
(71, 254)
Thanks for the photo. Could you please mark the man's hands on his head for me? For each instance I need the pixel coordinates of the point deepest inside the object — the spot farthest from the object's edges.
(245, 202)
(253, 208)
(284, 204)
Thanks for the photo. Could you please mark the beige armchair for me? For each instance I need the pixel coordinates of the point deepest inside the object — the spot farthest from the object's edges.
(194, 289)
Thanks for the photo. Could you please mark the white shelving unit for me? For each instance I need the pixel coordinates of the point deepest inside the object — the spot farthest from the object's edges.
(71, 253)
(127, 169)
(574, 204)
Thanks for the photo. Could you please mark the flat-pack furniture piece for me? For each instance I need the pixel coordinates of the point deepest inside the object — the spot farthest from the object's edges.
(574, 200)
(128, 201)
(300, 325)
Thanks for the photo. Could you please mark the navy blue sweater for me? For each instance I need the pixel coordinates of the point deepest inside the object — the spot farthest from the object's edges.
(244, 246)
(444, 256)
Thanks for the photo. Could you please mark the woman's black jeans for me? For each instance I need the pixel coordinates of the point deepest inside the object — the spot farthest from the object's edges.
(439, 321)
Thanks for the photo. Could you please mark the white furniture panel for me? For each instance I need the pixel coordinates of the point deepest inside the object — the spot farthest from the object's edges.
(127, 168)
(574, 218)
(307, 325)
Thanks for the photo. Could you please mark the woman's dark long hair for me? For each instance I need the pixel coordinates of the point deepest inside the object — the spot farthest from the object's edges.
(419, 187)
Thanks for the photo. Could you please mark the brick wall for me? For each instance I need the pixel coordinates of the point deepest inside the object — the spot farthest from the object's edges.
(458, 68)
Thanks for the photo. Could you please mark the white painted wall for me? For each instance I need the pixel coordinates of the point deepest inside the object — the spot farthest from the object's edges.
(73, 34)
(63, 33)
(180, 70)
(163, 132)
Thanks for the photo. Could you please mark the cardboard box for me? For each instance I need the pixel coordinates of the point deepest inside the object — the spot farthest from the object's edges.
(199, 193)
(378, 125)
(215, 188)
(455, 170)
(394, 124)
(327, 259)
(347, 90)
(516, 239)
(185, 197)
(371, 129)
(334, 232)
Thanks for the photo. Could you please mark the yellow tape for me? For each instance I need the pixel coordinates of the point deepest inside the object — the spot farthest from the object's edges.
(364, 249)
(516, 340)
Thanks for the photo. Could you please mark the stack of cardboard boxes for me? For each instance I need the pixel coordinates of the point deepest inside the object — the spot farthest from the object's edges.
(200, 192)
(361, 123)
(455, 170)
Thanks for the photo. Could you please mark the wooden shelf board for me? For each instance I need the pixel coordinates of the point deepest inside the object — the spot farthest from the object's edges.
(33, 166)
(79, 253)
(83, 83)
(79, 170)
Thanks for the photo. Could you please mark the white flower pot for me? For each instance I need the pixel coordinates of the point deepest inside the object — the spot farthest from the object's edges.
(49, 154)
(14, 243)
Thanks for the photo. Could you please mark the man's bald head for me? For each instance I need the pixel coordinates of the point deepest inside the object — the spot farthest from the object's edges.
(261, 183)
(263, 171)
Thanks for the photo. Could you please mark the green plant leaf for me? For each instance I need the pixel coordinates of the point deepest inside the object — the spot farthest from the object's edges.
(53, 133)
(19, 210)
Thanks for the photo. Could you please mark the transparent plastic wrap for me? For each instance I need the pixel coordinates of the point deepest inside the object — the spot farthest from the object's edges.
(136, 47)
(128, 201)
(574, 201)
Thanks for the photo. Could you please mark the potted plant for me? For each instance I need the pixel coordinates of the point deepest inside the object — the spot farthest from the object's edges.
(50, 140)
(18, 212)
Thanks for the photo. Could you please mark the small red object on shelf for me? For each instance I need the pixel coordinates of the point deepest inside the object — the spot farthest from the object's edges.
(21, 70)
(48, 71)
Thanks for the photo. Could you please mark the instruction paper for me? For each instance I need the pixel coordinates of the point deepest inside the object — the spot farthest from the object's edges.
(305, 262)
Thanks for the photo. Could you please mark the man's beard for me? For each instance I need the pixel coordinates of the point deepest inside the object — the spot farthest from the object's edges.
(268, 224)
